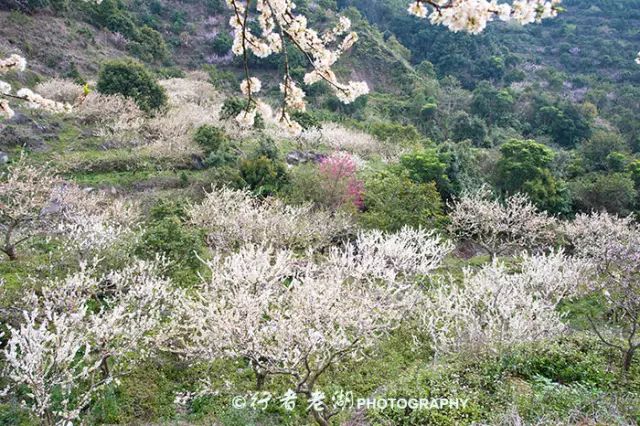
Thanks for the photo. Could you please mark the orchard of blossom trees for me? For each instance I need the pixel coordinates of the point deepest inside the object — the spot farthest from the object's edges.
(292, 293)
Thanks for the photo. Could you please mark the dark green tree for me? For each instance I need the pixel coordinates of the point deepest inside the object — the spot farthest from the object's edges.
(222, 43)
(525, 167)
(614, 192)
(394, 200)
(133, 80)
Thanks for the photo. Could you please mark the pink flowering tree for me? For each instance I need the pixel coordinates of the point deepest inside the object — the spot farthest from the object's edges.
(340, 184)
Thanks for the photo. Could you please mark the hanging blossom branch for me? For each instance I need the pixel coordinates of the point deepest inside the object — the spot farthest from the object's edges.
(279, 24)
(35, 101)
(473, 15)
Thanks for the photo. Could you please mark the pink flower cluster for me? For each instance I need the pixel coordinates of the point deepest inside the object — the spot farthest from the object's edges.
(339, 171)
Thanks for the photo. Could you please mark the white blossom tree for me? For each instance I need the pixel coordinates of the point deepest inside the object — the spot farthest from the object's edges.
(81, 333)
(91, 222)
(499, 227)
(612, 243)
(495, 307)
(34, 201)
(25, 191)
(298, 316)
(232, 218)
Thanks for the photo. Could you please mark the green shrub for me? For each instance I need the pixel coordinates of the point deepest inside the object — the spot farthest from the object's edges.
(149, 46)
(267, 148)
(614, 192)
(425, 166)
(231, 107)
(133, 80)
(210, 138)
(306, 120)
(393, 200)
(167, 234)
(263, 175)
(222, 44)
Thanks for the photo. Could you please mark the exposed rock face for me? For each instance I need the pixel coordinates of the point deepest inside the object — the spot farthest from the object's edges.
(301, 157)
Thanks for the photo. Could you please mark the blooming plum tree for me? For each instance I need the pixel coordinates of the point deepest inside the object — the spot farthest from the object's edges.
(493, 308)
(299, 316)
(612, 243)
(81, 333)
(499, 227)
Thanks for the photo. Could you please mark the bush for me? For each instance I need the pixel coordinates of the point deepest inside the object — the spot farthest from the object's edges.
(392, 201)
(613, 192)
(263, 175)
(231, 107)
(222, 44)
(131, 79)
(426, 166)
(210, 138)
(215, 145)
(167, 234)
(149, 46)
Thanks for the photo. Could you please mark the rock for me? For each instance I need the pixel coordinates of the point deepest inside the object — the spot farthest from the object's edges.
(197, 162)
(4, 157)
(302, 157)
(20, 137)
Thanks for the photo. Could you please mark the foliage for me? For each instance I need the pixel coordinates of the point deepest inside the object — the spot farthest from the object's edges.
(263, 175)
(131, 80)
(210, 138)
(167, 234)
(525, 167)
(393, 200)
(222, 43)
(613, 192)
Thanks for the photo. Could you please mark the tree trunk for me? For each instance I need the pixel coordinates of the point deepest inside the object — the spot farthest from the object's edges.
(319, 418)
(48, 418)
(10, 251)
(260, 379)
(628, 358)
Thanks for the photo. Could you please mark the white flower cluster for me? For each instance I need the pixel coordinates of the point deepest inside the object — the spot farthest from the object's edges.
(474, 15)
(494, 307)
(82, 332)
(498, 227)
(25, 190)
(92, 222)
(36, 101)
(232, 218)
(13, 62)
(18, 63)
(280, 25)
(298, 315)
